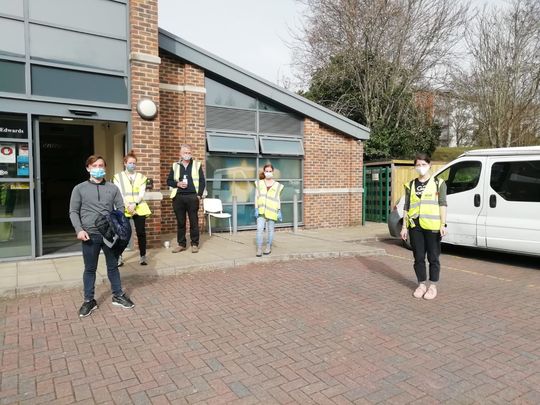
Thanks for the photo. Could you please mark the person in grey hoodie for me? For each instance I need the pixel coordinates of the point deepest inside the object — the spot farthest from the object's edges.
(89, 199)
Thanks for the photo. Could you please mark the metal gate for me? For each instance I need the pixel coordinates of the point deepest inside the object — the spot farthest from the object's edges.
(377, 193)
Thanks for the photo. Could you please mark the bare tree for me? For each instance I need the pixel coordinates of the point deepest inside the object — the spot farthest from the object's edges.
(456, 116)
(388, 48)
(503, 82)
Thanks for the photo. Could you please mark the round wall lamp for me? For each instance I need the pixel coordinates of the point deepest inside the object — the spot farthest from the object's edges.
(147, 109)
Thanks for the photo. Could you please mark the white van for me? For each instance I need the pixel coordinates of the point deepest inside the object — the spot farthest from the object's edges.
(493, 200)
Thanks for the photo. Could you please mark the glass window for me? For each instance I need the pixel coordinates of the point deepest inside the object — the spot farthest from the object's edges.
(72, 84)
(77, 48)
(103, 17)
(232, 119)
(268, 107)
(12, 77)
(284, 168)
(282, 146)
(290, 188)
(461, 176)
(279, 123)
(226, 189)
(12, 7)
(517, 181)
(225, 167)
(244, 219)
(14, 161)
(287, 213)
(11, 37)
(14, 200)
(13, 126)
(15, 239)
(232, 143)
(219, 94)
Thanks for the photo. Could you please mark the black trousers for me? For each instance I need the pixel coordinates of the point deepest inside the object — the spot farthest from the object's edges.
(426, 242)
(186, 204)
(140, 230)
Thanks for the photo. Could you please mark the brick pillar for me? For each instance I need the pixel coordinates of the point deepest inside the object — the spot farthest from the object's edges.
(182, 95)
(145, 135)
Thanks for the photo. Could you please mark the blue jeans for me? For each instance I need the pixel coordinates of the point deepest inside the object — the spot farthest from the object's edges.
(261, 221)
(90, 251)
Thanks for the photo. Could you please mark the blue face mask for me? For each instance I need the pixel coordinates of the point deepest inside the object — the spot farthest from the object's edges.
(131, 167)
(97, 173)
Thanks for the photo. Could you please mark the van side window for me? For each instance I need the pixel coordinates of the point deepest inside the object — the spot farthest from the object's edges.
(516, 181)
(461, 176)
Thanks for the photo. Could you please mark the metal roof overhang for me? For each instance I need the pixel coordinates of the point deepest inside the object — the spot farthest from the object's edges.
(193, 54)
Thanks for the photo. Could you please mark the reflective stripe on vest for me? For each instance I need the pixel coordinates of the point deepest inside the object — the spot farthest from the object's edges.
(195, 166)
(268, 201)
(426, 208)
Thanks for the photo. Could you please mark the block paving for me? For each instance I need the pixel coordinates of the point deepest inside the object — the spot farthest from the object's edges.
(331, 331)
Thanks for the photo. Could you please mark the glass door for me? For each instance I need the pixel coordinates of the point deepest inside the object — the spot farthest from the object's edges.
(16, 204)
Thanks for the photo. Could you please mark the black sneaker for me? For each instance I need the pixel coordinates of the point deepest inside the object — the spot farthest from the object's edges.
(123, 301)
(87, 308)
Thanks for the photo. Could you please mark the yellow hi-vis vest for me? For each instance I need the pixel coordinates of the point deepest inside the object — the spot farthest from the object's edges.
(426, 208)
(130, 191)
(268, 201)
(195, 166)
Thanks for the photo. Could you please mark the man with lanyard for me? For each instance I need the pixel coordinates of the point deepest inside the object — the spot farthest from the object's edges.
(187, 183)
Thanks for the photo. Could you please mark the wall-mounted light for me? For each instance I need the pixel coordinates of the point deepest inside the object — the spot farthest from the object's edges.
(147, 109)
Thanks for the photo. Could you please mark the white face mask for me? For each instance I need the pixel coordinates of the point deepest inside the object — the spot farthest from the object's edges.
(268, 175)
(422, 170)
(186, 157)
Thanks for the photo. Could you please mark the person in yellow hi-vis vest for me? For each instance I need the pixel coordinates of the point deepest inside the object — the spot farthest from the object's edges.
(424, 220)
(132, 185)
(187, 184)
(267, 207)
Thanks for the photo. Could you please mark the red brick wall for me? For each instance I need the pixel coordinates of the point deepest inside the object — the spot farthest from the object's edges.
(183, 121)
(145, 83)
(332, 160)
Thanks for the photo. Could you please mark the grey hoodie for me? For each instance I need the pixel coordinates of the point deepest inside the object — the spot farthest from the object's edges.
(88, 199)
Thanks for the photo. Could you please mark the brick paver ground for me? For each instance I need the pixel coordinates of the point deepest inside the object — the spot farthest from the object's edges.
(330, 331)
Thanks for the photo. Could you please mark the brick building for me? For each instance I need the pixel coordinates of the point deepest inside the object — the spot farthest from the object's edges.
(60, 104)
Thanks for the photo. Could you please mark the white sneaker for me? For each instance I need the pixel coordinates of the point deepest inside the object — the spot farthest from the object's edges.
(420, 290)
(120, 261)
(431, 292)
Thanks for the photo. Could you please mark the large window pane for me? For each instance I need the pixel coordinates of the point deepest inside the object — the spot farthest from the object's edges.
(280, 123)
(222, 167)
(15, 239)
(461, 176)
(287, 213)
(14, 200)
(225, 190)
(232, 143)
(11, 37)
(245, 218)
(290, 188)
(231, 119)
(517, 181)
(12, 7)
(12, 77)
(14, 160)
(78, 49)
(282, 146)
(219, 94)
(103, 17)
(72, 84)
(13, 126)
(284, 168)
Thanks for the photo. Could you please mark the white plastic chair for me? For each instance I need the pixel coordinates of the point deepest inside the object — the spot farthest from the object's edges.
(214, 208)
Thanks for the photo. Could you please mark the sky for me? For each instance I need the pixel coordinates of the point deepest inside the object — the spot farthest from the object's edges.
(253, 34)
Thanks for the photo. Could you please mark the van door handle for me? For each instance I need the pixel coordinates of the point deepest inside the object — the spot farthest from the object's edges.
(492, 201)
(477, 200)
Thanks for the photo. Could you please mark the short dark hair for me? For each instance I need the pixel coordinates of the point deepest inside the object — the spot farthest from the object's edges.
(93, 158)
(422, 156)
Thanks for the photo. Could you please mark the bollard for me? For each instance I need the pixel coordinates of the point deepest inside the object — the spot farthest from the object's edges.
(295, 213)
(234, 214)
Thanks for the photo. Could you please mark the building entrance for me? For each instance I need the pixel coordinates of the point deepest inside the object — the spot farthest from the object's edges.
(60, 165)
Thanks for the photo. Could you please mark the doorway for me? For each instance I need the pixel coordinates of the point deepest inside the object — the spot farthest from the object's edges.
(63, 147)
